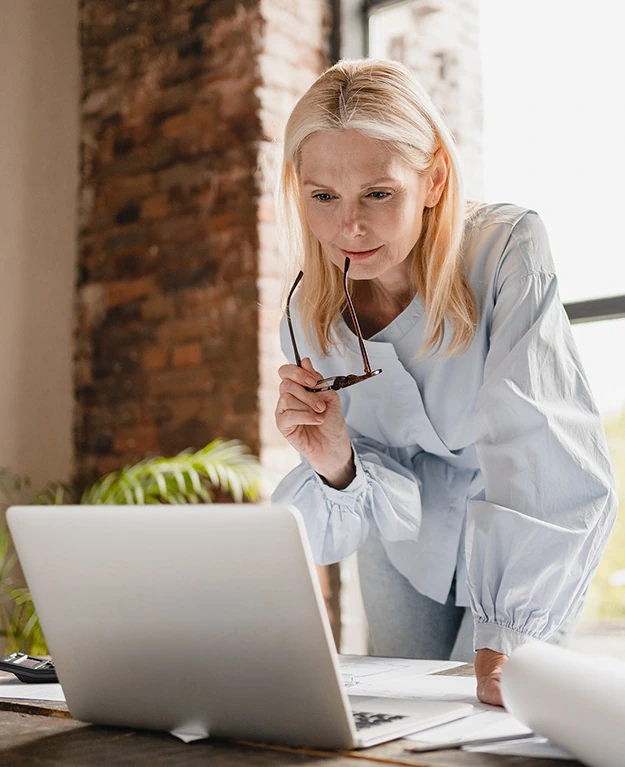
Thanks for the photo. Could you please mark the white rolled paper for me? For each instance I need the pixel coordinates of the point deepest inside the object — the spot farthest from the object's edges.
(575, 700)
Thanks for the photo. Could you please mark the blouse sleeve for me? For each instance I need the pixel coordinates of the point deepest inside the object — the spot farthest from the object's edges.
(382, 492)
(536, 533)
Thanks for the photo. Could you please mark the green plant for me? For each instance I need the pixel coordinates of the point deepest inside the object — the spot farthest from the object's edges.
(19, 624)
(222, 466)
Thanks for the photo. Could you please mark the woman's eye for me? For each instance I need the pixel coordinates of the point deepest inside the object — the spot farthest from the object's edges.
(325, 197)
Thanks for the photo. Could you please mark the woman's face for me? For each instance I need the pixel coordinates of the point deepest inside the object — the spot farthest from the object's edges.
(365, 202)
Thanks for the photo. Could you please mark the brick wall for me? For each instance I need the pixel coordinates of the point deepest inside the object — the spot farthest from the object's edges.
(178, 273)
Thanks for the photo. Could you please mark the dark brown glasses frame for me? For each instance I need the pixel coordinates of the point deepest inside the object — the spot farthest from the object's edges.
(335, 382)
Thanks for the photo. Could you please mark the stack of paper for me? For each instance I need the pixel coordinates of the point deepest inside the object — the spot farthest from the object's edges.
(404, 678)
(14, 690)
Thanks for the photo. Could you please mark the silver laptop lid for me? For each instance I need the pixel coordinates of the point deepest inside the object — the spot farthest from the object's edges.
(204, 620)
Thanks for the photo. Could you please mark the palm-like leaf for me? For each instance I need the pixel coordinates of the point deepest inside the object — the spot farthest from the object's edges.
(24, 632)
(14, 489)
(55, 494)
(18, 620)
(185, 478)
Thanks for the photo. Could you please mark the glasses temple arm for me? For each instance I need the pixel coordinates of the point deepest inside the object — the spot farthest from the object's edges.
(298, 360)
(352, 313)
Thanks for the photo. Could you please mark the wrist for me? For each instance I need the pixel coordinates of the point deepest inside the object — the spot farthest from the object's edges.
(339, 478)
(488, 661)
(488, 669)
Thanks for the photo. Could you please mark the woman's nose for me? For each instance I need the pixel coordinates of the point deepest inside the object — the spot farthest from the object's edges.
(353, 221)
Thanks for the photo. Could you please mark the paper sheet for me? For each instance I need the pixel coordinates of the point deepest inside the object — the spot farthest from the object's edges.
(417, 686)
(486, 722)
(366, 675)
(539, 748)
(13, 689)
(366, 665)
(483, 724)
(391, 677)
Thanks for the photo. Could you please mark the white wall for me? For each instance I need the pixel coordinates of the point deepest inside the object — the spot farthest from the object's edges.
(39, 92)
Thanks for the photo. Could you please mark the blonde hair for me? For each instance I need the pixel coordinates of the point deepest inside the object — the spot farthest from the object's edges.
(382, 100)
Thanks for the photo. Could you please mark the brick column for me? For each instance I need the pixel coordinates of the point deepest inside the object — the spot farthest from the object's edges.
(178, 291)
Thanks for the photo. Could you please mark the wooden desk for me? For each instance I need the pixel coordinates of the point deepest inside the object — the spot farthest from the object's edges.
(45, 735)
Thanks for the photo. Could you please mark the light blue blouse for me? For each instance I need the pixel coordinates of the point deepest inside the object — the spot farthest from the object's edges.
(492, 464)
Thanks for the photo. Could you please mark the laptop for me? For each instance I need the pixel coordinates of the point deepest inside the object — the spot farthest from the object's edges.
(203, 621)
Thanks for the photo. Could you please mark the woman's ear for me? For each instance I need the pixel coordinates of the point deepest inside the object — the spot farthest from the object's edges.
(436, 180)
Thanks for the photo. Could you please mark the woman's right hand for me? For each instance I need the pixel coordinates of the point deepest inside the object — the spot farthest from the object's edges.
(313, 423)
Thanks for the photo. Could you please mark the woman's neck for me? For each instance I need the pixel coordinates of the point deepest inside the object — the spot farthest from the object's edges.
(373, 298)
(375, 309)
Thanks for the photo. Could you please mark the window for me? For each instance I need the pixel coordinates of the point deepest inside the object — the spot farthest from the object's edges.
(552, 124)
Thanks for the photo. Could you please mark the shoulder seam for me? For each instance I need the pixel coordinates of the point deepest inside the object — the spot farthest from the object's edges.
(534, 273)
(484, 224)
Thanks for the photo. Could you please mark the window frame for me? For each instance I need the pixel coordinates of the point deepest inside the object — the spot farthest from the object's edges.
(596, 309)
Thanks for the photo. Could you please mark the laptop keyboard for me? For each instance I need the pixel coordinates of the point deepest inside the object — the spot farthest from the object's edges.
(364, 719)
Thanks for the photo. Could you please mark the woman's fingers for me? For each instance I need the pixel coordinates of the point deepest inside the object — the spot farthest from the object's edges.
(302, 376)
(288, 401)
(292, 412)
(308, 366)
(292, 419)
(296, 405)
(312, 399)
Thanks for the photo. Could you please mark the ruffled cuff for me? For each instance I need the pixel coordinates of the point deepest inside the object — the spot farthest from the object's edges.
(499, 638)
(355, 487)
(383, 493)
(335, 520)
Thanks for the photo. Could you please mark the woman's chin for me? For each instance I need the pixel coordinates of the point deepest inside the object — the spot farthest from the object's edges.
(366, 269)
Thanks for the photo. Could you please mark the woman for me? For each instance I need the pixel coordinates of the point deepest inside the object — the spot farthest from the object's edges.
(471, 473)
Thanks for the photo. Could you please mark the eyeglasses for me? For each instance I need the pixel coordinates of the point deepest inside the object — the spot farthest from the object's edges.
(335, 382)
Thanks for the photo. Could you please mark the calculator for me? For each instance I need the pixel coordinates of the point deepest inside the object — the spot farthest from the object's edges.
(29, 669)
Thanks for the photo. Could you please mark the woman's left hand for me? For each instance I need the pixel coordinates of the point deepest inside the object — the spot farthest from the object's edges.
(488, 667)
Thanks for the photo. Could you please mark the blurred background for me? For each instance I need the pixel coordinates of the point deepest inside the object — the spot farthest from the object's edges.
(141, 274)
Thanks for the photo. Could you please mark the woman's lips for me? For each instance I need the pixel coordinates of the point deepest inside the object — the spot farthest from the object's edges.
(359, 256)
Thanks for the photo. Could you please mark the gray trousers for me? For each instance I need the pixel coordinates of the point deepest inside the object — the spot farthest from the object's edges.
(405, 624)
